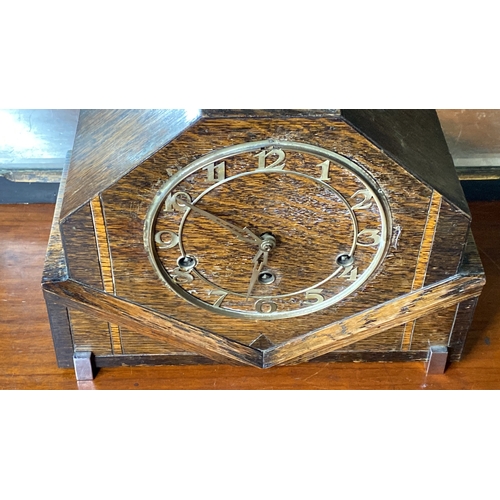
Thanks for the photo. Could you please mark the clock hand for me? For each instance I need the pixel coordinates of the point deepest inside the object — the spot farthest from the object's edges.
(243, 234)
(268, 243)
(257, 268)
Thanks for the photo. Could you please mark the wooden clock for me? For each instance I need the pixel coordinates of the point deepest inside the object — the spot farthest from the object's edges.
(260, 238)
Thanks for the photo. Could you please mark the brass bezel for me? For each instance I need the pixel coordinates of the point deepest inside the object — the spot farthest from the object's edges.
(365, 177)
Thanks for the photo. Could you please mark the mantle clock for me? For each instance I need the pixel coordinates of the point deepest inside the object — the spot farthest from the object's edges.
(260, 238)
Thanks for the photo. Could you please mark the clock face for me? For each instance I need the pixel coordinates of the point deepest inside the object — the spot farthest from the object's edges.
(267, 230)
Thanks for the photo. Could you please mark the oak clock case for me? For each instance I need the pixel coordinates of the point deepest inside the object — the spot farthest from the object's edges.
(260, 238)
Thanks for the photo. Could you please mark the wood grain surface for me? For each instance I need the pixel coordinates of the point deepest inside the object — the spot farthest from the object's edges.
(28, 360)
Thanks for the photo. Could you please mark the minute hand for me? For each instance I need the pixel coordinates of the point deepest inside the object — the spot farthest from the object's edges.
(242, 233)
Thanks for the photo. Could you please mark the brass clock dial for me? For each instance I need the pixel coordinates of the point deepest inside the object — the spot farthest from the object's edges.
(267, 230)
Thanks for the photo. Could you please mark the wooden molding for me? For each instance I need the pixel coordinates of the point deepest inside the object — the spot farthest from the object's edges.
(361, 326)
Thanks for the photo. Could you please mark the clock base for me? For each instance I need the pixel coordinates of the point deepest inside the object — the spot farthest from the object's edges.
(74, 330)
(86, 368)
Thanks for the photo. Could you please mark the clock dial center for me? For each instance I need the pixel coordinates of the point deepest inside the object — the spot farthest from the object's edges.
(298, 248)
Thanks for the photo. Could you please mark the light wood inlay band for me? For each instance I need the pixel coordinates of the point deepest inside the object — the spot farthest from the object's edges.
(423, 259)
(101, 236)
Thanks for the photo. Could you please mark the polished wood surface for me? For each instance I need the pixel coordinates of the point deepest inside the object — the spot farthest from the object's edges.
(28, 360)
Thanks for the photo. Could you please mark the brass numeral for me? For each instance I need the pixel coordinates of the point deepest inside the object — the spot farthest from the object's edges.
(315, 296)
(365, 203)
(181, 277)
(216, 173)
(265, 306)
(350, 272)
(171, 202)
(161, 243)
(325, 170)
(277, 164)
(369, 234)
(219, 301)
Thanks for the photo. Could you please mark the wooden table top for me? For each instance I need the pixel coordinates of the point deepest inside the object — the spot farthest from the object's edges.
(28, 361)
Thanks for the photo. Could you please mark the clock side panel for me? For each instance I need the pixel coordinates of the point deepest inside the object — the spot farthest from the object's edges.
(111, 339)
(449, 241)
(463, 321)
(80, 247)
(91, 334)
(447, 327)
(432, 330)
(135, 344)
(388, 340)
(61, 330)
(110, 343)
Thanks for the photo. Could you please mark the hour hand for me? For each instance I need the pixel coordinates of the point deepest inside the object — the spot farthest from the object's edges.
(268, 243)
(257, 268)
(242, 233)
